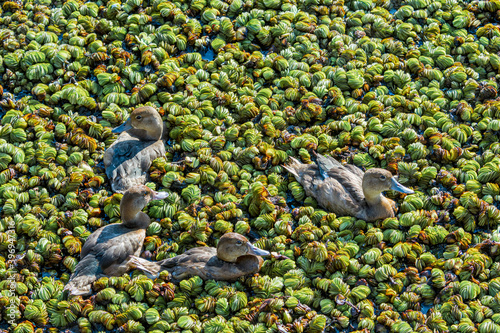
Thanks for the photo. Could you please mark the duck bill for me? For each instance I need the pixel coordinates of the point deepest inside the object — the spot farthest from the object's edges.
(123, 127)
(160, 195)
(256, 251)
(396, 186)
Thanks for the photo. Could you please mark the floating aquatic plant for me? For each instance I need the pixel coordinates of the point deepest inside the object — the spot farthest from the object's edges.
(408, 86)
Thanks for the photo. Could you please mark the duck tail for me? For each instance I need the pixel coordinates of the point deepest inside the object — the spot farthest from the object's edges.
(150, 268)
(293, 166)
(86, 272)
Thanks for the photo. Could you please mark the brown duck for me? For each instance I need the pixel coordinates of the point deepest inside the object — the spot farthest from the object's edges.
(107, 250)
(128, 159)
(346, 190)
(234, 257)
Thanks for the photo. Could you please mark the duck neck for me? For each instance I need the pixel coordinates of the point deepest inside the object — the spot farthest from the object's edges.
(133, 219)
(153, 133)
(373, 199)
(221, 254)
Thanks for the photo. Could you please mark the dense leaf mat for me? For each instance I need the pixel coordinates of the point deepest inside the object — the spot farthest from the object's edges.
(410, 86)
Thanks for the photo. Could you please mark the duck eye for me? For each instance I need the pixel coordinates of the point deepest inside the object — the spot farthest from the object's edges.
(239, 242)
(138, 117)
(382, 177)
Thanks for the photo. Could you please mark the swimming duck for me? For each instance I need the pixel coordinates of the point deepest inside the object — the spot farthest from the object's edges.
(128, 159)
(347, 190)
(234, 257)
(107, 250)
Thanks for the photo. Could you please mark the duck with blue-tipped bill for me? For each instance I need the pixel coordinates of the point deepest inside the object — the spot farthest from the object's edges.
(346, 190)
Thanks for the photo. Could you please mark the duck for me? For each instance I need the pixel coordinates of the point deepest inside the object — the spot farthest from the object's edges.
(128, 159)
(234, 257)
(106, 251)
(345, 189)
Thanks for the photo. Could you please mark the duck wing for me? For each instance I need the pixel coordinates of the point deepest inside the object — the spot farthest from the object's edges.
(341, 192)
(348, 175)
(193, 256)
(350, 182)
(355, 171)
(112, 245)
(190, 263)
(91, 242)
(86, 272)
(327, 163)
(128, 159)
(195, 262)
(114, 258)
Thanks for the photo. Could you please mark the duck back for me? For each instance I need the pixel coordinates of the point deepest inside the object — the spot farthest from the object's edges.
(186, 264)
(202, 262)
(337, 189)
(128, 160)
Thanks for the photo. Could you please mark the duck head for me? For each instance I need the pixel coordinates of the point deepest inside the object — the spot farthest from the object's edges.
(146, 123)
(376, 181)
(135, 199)
(232, 246)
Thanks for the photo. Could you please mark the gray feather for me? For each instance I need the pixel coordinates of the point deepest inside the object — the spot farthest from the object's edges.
(86, 272)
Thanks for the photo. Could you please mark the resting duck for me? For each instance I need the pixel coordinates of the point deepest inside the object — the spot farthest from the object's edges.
(346, 189)
(128, 159)
(234, 257)
(107, 250)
